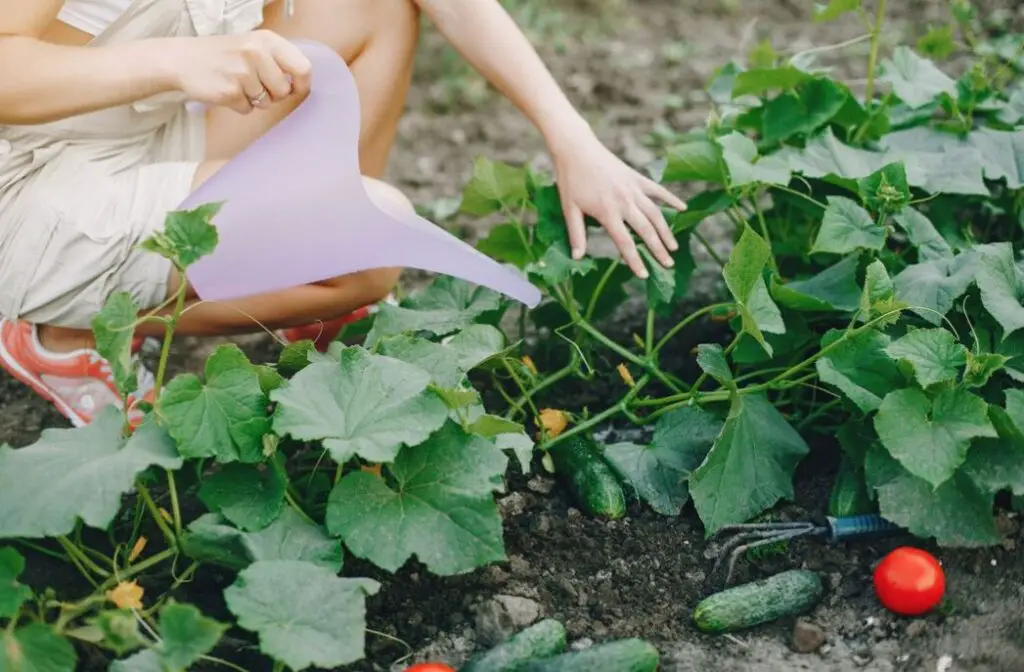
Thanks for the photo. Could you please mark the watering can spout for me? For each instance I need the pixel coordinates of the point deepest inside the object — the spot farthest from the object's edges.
(296, 209)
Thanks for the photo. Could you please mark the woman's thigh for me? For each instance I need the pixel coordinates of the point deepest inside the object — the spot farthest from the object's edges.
(377, 39)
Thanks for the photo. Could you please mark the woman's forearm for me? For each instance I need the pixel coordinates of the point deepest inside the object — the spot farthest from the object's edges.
(42, 82)
(487, 37)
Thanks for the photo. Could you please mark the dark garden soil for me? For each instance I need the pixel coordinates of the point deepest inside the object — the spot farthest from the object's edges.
(642, 575)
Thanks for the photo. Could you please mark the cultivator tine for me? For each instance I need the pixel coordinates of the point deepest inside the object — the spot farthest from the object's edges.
(755, 535)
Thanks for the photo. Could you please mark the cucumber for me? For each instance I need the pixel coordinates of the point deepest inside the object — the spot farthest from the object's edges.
(751, 604)
(592, 483)
(541, 640)
(623, 655)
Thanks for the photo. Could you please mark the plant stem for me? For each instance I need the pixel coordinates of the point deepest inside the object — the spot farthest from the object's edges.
(649, 333)
(172, 490)
(869, 89)
(599, 289)
(522, 387)
(548, 381)
(288, 497)
(592, 331)
(165, 348)
(154, 511)
(763, 225)
(139, 568)
(707, 246)
(689, 319)
(41, 549)
(593, 421)
(646, 364)
(81, 557)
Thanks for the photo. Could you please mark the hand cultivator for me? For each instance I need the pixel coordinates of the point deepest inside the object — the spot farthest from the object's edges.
(755, 535)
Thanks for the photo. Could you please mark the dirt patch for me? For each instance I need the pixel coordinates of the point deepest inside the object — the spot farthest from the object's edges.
(640, 576)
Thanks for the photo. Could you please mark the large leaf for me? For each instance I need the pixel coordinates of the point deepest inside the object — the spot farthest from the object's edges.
(440, 507)
(366, 405)
(250, 496)
(745, 165)
(1002, 286)
(999, 153)
(833, 289)
(212, 539)
(834, 9)
(957, 513)
(744, 277)
(952, 171)
(846, 227)
(930, 435)
(36, 648)
(695, 160)
(934, 355)
(860, 368)
(304, 614)
(114, 327)
(923, 235)
(658, 472)
(86, 471)
(803, 111)
(998, 464)
(932, 288)
(186, 636)
(914, 79)
(224, 417)
(446, 305)
(187, 236)
(12, 593)
(750, 467)
(493, 186)
(551, 232)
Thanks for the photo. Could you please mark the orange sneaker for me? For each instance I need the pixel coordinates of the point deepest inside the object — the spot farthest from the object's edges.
(324, 333)
(79, 383)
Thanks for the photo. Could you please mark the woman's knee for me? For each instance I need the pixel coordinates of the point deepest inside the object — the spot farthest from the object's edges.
(351, 26)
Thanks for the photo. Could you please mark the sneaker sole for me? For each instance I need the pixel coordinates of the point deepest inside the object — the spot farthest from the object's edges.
(39, 387)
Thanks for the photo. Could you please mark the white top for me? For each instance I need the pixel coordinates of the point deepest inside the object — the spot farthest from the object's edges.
(92, 16)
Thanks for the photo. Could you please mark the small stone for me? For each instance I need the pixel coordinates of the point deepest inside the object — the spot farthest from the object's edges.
(493, 623)
(518, 564)
(807, 637)
(513, 505)
(522, 610)
(542, 486)
(887, 649)
(582, 643)
(915, 629)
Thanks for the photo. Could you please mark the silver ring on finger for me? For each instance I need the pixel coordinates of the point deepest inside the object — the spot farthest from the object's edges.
(260, 99)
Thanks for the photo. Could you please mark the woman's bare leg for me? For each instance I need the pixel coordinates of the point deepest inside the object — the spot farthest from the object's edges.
(377, 38)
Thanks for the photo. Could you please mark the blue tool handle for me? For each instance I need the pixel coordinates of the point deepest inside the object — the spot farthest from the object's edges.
(852, 527)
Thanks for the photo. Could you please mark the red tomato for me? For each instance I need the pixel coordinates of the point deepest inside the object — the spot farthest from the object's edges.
(909, 581)
(430, 667)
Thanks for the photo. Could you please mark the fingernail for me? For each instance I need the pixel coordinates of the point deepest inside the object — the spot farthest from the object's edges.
(670, 263)
(577, 254)
(673, 245)
(643, 275)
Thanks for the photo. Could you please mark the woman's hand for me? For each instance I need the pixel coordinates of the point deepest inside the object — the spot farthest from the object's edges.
(244, 72)
(593, 181)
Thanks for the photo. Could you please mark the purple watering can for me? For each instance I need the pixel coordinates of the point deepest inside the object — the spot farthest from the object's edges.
(296, 210)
